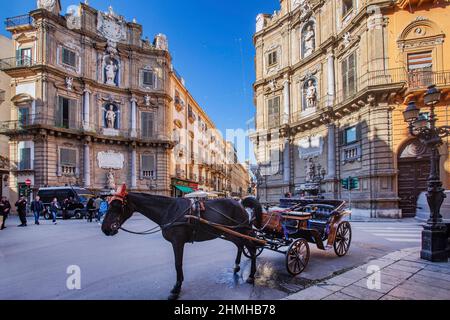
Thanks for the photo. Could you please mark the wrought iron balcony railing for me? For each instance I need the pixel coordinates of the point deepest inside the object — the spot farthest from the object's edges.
(16, 62)
(18, 21)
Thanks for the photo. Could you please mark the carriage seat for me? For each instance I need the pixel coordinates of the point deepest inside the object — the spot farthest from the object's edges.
(320, 216)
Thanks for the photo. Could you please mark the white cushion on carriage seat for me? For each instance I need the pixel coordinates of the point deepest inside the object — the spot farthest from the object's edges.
(297, 214)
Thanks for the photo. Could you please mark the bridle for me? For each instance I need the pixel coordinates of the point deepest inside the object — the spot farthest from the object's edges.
(116, 224)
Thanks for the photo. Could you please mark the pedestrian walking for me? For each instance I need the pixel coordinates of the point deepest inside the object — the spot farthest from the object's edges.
(97, 202)
(37, 207)
(54, 207)
(21, 206)
(103, 209)
(91, 209)
(5, 208)
(65, 208)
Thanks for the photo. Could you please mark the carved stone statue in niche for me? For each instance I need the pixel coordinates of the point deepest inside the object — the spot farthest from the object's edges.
(311, 94)
(111, 117)
(110, 180)
(309, 40)
(111, 72)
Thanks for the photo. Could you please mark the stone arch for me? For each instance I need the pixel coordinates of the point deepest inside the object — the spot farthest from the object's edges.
(421, 28)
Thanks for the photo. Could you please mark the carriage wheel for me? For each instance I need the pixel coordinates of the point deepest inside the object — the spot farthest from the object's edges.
(343, 239)
(297, 257)
(259, 250)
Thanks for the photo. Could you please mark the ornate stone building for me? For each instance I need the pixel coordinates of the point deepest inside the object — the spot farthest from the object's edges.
(332, 80)
(91, 101)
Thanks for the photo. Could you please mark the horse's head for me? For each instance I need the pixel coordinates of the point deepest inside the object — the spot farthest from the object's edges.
(118, 212)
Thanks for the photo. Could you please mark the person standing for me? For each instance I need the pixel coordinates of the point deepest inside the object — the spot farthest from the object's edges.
(54, 207)
(21, 206)
(98, 202)
(5, 208)
(91, 209)
(37, 207)
(103, 209)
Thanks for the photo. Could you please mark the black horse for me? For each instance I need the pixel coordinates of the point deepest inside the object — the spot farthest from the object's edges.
(170, 214)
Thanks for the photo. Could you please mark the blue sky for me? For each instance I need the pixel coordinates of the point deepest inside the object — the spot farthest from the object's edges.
(210, 41)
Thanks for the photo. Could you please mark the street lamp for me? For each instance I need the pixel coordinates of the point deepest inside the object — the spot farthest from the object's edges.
(434, 235)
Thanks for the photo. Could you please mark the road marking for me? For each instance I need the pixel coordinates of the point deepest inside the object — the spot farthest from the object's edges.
(406, 234)
(397, 235)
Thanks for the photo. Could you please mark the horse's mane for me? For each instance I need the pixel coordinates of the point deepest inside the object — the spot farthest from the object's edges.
(145, 197)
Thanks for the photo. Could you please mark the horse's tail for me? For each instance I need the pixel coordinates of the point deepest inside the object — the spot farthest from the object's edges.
(253, 204)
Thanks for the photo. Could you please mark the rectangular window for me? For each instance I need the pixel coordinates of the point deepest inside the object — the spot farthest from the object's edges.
(148, 78)
(24, 57)
(349, 75)
(273, 106)
(351, 135)
(147, 124)
(66, 113)
(68, 161)
(347, 7)
(25, 159)
(24, 117)
(420, 61)
(272, 58)
(148, 166)
(69, 57)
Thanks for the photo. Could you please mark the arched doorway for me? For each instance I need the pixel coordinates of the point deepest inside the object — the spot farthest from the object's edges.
(414, 169)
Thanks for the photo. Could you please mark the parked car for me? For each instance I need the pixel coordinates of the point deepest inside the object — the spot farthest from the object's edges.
(76, 210)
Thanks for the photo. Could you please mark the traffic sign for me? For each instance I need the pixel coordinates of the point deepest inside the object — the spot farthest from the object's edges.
(28, 182)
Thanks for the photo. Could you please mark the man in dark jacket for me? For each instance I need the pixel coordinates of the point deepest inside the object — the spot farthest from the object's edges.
(21, 206)
(37, 207)
(5, 208)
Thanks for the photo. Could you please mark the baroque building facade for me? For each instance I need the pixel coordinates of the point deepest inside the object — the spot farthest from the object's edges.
(97, 105)
(332, 81)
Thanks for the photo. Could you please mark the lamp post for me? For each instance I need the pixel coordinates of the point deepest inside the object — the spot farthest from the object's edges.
(434, 235)
(319, 176)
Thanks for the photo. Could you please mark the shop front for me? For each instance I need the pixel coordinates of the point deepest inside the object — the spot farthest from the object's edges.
(180, 188)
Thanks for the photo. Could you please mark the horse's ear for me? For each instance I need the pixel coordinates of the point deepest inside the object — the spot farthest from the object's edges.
(122, 191)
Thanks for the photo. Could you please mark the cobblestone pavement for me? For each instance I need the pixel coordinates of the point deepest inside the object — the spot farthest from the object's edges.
(403, 276)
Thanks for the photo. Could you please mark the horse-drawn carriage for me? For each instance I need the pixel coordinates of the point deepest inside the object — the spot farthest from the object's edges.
(291, 227)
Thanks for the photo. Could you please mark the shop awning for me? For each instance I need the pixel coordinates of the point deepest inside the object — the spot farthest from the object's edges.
(184, 189)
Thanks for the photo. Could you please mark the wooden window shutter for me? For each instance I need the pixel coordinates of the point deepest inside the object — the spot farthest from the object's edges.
(420, 61)
(58, 112)
(72, 114)
(359, 131)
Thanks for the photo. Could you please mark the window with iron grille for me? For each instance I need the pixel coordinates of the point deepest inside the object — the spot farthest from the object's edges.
(24, 57)
(69, 57)
(349, 75)
(68, 161)
(147, 124)
(148, 166)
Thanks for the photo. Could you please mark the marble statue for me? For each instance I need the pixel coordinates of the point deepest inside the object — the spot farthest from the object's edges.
(110, 180)
(311, 94)
(309, 41)
(111, 71)
(110, 116)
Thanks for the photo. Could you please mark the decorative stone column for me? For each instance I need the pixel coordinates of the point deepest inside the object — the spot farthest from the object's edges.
(87, 164)
(287, 100)
(133, 168)
(287, 162)
(331, 80)
(331, 151)
(86, 109)
(133, 132)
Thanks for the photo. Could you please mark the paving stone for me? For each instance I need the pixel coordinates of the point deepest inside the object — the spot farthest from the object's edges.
(433, 274)
(396, 273)
(339, 296)
(361, 293)
(408, 293)
(439, 268)
(331, 287)
(411, 264)
(410, 269)
(425, 290)
(391, 280)
(356, 274)
(433, 282)
(389, 297)
(341, 281)
(385, 287)
(311, 293)
(381, 263)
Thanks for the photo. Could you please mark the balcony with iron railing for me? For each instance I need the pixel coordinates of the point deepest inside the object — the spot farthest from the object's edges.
(16, 62)
(19, 21)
